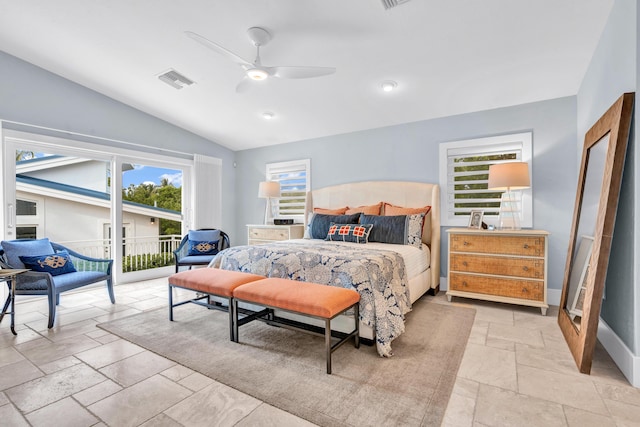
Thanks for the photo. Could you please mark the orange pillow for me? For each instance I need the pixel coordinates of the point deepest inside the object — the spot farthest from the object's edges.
(392, 210)
(338, 211)
(367, 210)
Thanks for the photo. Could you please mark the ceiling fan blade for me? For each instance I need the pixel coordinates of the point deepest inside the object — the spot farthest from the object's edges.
(300, 72)
(243, 85)
(216, 47)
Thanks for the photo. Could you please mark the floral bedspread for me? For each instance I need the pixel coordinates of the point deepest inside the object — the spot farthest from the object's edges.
(378, 275)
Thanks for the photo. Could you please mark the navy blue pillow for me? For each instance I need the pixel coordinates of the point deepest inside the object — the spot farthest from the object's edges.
(203, 248)
(320, 223)
(54, 264)
(397, 229)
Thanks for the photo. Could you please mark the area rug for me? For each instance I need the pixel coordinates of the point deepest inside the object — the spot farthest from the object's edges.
(287, 368)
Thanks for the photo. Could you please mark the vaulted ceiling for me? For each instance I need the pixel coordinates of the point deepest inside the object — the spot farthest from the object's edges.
(447, 57)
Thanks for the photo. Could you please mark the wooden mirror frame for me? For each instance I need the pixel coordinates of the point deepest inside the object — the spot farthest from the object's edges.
(616, 123)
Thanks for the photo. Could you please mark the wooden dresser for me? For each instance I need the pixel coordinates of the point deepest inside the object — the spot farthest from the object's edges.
(499, 265)
(261, 233)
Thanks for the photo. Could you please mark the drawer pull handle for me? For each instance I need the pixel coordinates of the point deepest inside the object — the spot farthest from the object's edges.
(525, 290)
(525, 268)
(464, 284)
(465, 243)
(526, 246)
(465, 263)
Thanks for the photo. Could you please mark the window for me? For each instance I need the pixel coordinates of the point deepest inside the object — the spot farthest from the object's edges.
(295, 181)
(25, 207)
(464, 174)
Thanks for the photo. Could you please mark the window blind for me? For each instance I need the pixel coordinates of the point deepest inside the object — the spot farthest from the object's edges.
(294, 182)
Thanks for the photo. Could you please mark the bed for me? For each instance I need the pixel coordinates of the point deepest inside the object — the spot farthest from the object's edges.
(389, 277)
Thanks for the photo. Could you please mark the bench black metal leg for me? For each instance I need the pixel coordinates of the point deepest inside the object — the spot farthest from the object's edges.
(170, 303)
(234, 322)
(232, 318)
(356, 317)
(327, 343)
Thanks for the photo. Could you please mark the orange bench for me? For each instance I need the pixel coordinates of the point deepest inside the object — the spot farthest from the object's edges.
(309, 299)
(211, 282)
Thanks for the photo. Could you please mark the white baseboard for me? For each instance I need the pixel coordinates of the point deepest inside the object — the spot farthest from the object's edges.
(628, 362)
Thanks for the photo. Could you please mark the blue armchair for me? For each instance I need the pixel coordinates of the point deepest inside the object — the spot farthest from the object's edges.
(200, 246)
(54, 269)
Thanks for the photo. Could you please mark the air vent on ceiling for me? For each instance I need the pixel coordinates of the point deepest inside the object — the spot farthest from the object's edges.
(175, 79)
(388, 4)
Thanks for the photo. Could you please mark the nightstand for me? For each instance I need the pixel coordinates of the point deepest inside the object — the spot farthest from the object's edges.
(260, 233)
(500, 265)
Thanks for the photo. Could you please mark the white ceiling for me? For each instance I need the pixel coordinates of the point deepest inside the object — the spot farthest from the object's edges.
(448, 57)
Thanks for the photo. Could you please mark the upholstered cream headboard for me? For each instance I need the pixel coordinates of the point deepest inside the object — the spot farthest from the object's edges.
(400, 193)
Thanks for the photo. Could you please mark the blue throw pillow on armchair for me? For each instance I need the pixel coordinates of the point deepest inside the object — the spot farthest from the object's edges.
(13, 249)
(54, 264)
(203, 242)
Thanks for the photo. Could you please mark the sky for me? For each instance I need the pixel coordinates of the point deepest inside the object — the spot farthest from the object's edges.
(148, 174)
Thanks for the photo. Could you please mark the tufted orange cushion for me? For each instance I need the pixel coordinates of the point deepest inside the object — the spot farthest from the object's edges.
(300, 297)
(212, 280)
(367, 210)
(337, 211)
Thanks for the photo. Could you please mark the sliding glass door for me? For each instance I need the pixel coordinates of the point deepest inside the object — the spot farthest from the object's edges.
(77, 194)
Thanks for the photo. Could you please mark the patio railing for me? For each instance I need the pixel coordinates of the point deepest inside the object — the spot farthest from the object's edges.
(139, 253)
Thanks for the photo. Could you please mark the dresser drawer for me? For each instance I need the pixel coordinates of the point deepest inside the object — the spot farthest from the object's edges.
(513, 288)
(507, 245)
(531, 268)
(269, 233)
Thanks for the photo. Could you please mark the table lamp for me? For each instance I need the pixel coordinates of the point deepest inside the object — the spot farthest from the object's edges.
(508, 177)
(268, 190)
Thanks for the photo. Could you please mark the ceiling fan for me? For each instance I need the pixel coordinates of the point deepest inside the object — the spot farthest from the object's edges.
(255, 70)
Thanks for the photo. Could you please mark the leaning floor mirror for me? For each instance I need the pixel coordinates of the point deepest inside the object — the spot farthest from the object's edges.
(594, 215)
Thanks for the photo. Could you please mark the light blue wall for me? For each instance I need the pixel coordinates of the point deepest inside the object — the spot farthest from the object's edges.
(410, 153)
(29, 94)
(613, 71)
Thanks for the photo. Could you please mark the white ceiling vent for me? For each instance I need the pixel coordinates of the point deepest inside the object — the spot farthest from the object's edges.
(388, 4)
(175, 79)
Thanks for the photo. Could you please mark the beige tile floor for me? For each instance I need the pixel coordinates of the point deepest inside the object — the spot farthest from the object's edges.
(516, 371)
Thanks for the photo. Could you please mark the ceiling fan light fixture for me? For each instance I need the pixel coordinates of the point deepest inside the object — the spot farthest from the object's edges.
(268, 115)
(257, 74)
(388, 85)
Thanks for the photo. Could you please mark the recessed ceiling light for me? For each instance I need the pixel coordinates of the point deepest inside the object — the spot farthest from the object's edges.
(388, 85)
(268, 115)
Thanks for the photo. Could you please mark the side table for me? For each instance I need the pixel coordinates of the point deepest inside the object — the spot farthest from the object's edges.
(9, 276)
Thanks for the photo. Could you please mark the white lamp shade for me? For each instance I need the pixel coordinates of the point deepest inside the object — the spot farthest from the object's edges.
(509, 176)
(269, 189)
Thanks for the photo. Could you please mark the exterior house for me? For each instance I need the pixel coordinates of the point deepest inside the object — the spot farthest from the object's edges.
(51, 201)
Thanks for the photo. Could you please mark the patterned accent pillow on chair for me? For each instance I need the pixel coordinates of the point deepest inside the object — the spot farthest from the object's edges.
(203, 248)
(203, 242)
(54, 264)
(356, 233)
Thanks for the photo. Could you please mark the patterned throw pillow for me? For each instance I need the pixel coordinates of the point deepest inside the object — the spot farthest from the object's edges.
(320, 223)
(356, 233)
(203, 242)
(54, 264)
(203, 248)
(398, 229)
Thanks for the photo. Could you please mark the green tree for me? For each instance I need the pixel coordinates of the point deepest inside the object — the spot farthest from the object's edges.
(165, 196)
(24, 155)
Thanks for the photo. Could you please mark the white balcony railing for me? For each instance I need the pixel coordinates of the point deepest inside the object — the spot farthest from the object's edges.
(139, 253)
